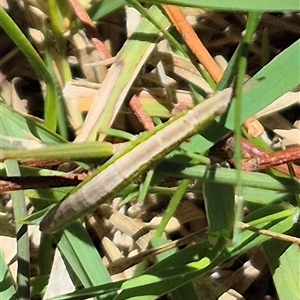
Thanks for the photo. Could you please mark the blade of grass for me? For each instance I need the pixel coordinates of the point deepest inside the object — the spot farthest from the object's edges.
(144, 187)
(21, 126)
(34, 59)
(228, 176)
(48, 57)
(88, 151)
(267, 86)
(275, 218)
(236, 5)
(7, 288)
(20, 212)
(181, 267)
(57, 14)
(120, 77)
(101, 9)
(124, 135)
(284, 262)
(149, 286)
(170, 211)
(79, 251)
(106, 292)
(252, 23)
(247, 241)
(219, 208)
(260, 189)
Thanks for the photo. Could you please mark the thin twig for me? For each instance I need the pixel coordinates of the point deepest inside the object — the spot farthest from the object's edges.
(268, 160)
(274, 235)
(123, 264)
(257, 159)
(39, 182)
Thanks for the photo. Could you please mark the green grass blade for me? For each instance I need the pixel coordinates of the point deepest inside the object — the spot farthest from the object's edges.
(103, 8)
(285, 267)
(20, 212)
(79, 251)
(270, 86)
(252, 23)
(151, 286)
(274, 218)
(170, 211)
(219, 207)
(7, 288)
(17, 125)
(283, 222)
(228, 176)
(253, 196)
(189, 263)
(34, 59)
(236, 5)
(61, 113)
(106, 292)
(186, 289)
(144, 187)
(58, 11)
(89, 151)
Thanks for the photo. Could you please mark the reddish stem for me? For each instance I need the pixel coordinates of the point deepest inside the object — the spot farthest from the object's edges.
(268, 160)
(42, 182)
(257, 159)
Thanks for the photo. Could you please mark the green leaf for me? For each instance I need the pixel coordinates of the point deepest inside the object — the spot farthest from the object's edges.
(7, 288)
(284, 263)
(267, 87)
(219, 207)
(24, 45)
(103, 8)
(227, 176)
(288, 272)
(89, 151)
(20, 126)
(35, 218)
(236, 5)
(79, 251)
(150, 286)
(22, 236)
(274, 218)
